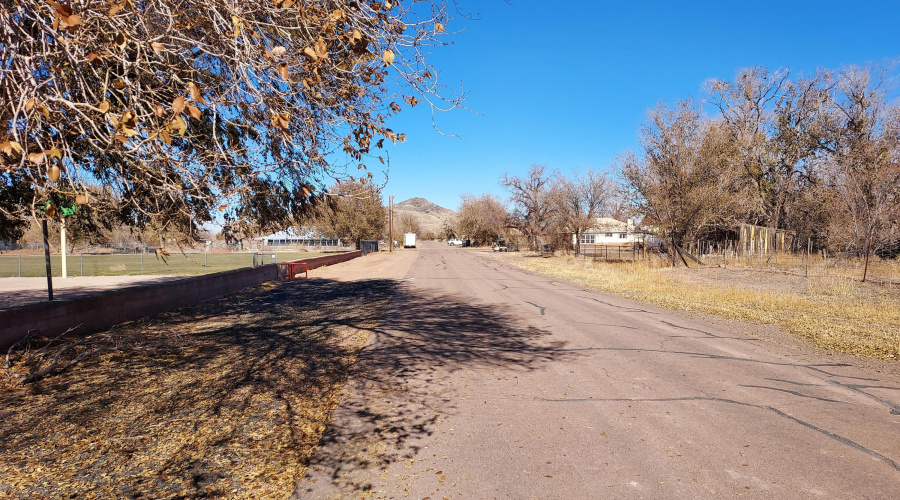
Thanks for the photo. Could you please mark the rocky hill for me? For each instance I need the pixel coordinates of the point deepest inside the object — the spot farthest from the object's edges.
(429, 216)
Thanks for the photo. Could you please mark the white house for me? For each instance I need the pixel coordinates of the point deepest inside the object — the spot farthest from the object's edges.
(611, 232)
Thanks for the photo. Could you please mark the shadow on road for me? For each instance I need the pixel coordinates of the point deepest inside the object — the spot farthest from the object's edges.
(231, 397)
(399, 387)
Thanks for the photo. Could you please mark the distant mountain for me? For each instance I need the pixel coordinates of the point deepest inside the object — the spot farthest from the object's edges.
(431, 217)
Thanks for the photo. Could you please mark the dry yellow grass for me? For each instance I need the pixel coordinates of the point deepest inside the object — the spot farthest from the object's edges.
(832, 312)
(227, 399)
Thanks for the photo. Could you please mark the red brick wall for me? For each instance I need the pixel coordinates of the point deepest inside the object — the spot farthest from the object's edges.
(96, 312)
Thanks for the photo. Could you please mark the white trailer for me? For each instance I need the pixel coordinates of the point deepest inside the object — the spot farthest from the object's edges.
(409, 240)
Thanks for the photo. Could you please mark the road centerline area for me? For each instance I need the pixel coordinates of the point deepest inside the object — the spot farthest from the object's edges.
(463, 391)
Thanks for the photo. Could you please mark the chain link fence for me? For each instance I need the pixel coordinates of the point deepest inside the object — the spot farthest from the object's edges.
(186, 264)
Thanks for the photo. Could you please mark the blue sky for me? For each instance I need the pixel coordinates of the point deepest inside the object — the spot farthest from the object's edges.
(567, 84)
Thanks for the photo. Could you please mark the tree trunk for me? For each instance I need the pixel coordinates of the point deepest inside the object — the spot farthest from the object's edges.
(866, 266)
(674, 249)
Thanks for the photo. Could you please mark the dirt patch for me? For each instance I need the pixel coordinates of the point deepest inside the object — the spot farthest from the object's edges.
(228, 398)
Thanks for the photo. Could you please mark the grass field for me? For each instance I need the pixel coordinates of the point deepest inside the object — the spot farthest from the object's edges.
(178, 264)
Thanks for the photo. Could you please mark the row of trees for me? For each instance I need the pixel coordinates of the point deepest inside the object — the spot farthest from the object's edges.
(819, 156)
(546, 208)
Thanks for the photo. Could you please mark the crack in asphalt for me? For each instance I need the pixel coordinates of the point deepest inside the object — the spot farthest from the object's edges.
(795, 393)
(836, 437)
(543, 309)
(895, 410)
(624, 308)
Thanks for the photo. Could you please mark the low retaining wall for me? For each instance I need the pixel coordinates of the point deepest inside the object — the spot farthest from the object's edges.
(102, 310)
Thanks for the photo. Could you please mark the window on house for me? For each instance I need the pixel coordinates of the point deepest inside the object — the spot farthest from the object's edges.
(622, 236)
(609, 235)
(587, 239)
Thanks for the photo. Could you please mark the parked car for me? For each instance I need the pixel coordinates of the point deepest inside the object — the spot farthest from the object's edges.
(499, 247)
(455, 242)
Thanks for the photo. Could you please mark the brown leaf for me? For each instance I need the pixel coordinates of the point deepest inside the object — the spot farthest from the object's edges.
(438, 27)
(395, 107)
(283, 71)
(128, 119)
(321, 48)
(194, 112)
(237, 25)
(29, 104)
(179, 125)
(73, 20)
(104, 107)
(311, 53)
(37, 158)
(166, 138)
(116, 8)
(120, 40)
(284, 120)
(178, 105)
(119, 84)
(93, 57)
(156, 46)
(195, 93)
(81, 199)
(62, 10)
(159, 109)
(222, 207)
(279, 50)
(388, 57)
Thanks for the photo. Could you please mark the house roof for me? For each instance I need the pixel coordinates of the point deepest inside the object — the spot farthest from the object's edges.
(608, 224)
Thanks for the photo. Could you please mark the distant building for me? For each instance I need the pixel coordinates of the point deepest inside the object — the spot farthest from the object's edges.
(290, 238)
(611, 232)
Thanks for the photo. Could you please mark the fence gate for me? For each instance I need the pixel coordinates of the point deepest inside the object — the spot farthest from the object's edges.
(368, 246)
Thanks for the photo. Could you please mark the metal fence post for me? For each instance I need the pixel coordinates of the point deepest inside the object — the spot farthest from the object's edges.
(142, 263)
(82, 264)
(20, 266)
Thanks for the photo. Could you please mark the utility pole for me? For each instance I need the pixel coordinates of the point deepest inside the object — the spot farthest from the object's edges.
(391, 227)
(47, 260)
(62, 245)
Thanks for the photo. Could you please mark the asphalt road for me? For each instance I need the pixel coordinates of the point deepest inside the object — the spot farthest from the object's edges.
(483, 381)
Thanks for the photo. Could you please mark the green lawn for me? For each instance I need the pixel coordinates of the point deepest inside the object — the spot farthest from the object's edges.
(120, 265)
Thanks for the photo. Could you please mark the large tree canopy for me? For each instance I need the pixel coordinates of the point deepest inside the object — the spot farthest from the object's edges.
(168, 112)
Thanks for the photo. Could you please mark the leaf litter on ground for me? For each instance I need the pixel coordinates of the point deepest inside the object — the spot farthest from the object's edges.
(227, 398)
